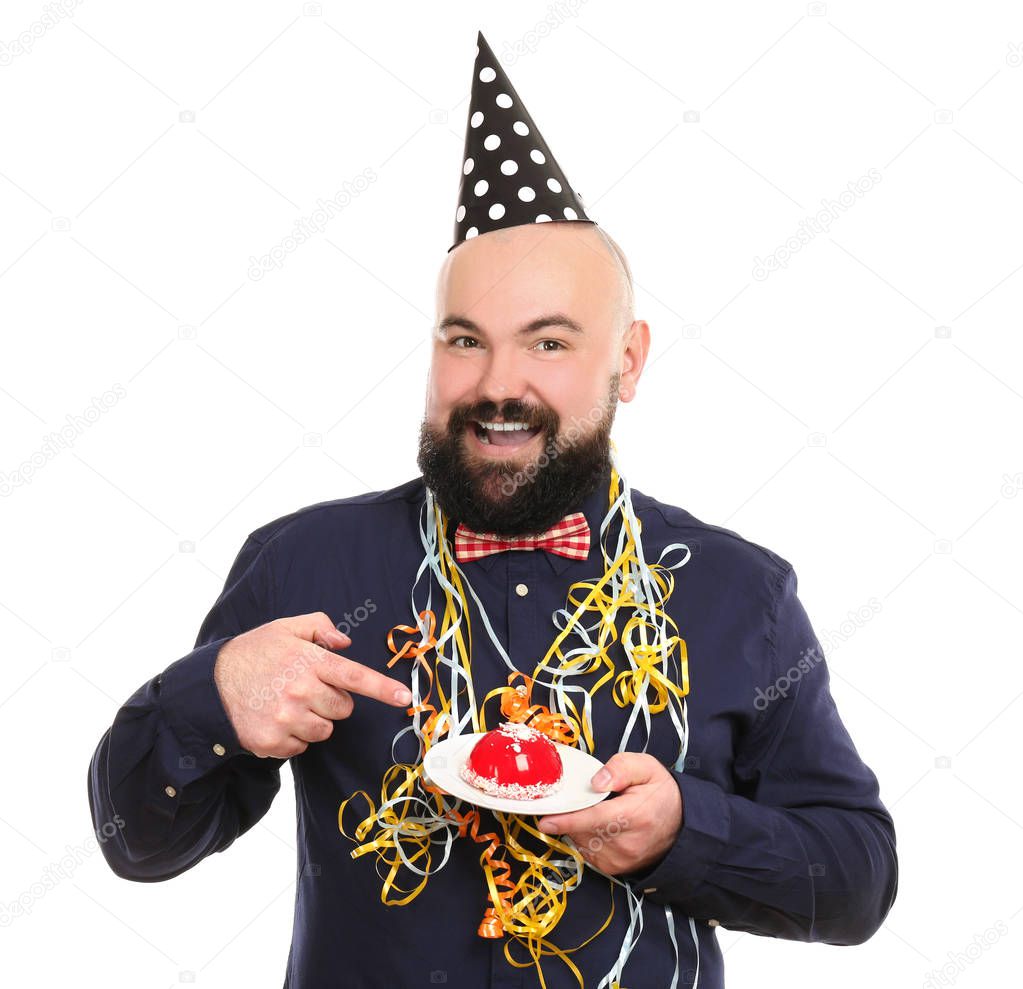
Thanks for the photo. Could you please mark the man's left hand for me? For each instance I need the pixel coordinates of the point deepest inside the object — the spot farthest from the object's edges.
(636, 828)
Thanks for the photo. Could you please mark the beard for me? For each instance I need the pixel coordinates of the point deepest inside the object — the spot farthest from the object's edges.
(511, 497)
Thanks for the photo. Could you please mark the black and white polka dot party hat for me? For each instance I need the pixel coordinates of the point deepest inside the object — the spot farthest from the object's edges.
(509, 176)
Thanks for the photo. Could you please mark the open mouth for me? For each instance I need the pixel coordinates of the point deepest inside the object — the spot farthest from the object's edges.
(503, 434)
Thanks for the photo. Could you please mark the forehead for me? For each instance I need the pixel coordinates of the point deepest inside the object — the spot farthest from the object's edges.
(503, 275)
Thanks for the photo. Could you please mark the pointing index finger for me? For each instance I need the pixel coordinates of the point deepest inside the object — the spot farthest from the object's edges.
(356, 678)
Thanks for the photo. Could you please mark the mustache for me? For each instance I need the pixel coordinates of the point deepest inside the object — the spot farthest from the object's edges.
(512, 411)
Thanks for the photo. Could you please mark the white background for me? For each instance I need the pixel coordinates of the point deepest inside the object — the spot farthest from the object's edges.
(858, 411)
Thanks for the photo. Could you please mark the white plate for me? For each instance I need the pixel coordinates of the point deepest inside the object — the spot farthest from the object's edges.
(446, 758)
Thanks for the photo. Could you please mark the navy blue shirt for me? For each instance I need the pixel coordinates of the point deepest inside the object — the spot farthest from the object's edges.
(784, 834)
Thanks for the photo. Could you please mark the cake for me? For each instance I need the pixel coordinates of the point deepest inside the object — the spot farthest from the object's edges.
(515, 762)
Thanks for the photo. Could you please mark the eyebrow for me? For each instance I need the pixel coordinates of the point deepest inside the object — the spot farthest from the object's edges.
(541, 322)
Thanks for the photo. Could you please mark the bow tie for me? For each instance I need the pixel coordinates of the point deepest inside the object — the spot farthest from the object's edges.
(570, 537)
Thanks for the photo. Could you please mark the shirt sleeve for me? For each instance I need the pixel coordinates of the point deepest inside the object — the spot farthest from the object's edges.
(169, 782)
(804, 849)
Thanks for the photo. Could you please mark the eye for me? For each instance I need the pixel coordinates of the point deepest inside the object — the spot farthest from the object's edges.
(456, 339)
(557, 343)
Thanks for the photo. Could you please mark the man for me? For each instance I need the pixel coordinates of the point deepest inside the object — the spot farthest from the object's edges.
(752, 811)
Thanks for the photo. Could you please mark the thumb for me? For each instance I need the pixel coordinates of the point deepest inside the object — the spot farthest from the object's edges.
(622, 770)
(331, 640)
(317, 627)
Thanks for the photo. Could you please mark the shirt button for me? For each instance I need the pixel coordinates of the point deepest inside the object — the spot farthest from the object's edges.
(219, 749)
(713, 923)
(521, 590)
(170, 791)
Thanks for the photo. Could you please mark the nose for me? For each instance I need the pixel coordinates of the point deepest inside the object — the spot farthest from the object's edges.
(502, 377)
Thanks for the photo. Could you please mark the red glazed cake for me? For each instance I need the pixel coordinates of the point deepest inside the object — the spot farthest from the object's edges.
(515, 762)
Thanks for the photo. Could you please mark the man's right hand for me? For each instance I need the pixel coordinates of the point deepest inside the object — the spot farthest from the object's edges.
(283, 688)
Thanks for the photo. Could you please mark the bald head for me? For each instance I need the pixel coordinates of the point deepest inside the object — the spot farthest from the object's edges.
(595, 261)
(626, 295)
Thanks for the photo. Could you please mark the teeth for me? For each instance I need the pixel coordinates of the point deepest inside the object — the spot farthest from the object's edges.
(504, 426)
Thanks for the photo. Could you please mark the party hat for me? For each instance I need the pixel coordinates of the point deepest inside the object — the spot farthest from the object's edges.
(509, 176)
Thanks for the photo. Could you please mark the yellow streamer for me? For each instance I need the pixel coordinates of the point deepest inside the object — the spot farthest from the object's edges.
(529, 907)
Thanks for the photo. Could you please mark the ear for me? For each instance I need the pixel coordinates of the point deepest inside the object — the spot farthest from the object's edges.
(636, 347)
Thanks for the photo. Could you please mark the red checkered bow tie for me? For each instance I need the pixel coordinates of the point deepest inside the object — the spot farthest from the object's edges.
(570, 537)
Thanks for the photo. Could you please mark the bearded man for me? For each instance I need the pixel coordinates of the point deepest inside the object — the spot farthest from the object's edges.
(518, 577)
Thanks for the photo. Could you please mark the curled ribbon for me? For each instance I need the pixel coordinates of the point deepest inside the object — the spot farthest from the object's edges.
(516, 707)
(415, 815)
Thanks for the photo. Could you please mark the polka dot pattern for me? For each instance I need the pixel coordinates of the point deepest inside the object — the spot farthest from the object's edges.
(509, 176)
